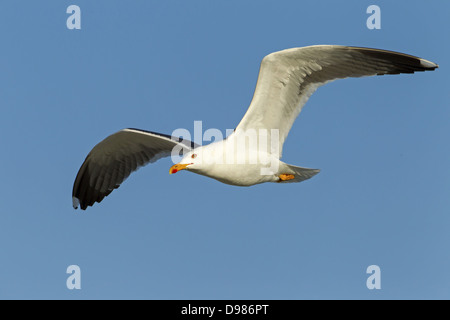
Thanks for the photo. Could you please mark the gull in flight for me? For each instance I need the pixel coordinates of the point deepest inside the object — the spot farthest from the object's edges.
(252, 153)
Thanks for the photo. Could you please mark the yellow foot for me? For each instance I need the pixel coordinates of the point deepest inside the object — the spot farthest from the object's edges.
(286, 177)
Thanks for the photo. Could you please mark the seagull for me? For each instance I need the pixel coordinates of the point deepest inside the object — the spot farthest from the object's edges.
(251, 154)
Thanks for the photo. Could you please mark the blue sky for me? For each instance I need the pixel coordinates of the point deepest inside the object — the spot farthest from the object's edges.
(382, 197)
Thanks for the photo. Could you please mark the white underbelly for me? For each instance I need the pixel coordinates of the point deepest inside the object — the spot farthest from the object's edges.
(240, 174)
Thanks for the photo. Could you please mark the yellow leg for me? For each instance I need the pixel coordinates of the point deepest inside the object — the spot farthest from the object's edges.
(286, 177)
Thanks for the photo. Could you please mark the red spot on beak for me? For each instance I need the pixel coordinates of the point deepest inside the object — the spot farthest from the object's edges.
(178, 167)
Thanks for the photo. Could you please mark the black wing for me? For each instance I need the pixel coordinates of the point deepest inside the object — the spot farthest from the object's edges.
(112, 160)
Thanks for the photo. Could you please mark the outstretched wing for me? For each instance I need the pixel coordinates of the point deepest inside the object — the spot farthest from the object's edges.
(112, 160)
(288, 78)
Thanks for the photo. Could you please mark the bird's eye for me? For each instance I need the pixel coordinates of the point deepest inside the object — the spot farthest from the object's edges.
(194, 156)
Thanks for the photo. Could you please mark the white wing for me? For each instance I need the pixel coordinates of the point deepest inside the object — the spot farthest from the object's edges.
(112, 160)
(288, 78)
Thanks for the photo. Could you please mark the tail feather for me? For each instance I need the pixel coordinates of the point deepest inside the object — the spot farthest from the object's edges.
(300, 173)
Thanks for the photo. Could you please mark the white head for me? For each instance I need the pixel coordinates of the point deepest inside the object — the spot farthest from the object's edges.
(193, 160)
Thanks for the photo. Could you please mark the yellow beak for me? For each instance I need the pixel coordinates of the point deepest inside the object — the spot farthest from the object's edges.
(178, 167)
